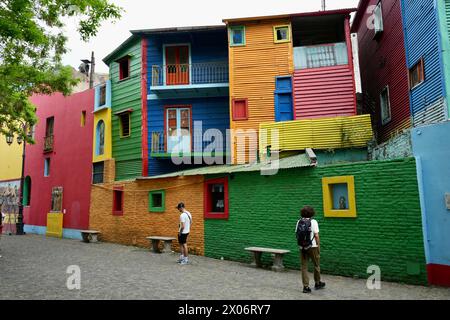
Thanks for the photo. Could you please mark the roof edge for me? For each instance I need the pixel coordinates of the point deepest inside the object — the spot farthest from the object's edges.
(110, 57)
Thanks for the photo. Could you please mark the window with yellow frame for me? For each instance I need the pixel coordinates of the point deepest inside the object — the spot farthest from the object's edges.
(339, 197)
(282, 34)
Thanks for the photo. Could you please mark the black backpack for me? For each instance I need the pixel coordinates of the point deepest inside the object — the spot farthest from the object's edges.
(303, 233)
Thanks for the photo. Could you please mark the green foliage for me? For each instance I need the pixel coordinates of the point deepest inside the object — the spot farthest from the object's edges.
(32, 44)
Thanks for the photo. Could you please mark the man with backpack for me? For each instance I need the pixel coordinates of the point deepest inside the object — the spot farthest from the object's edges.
(183, 233)
(307, 232)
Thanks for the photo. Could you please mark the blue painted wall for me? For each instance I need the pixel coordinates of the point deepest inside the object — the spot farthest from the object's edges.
(431, 147)
(206, 46)
(422, 39)
(213, 112)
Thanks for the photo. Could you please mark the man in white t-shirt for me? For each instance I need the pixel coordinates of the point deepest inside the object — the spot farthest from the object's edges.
(183, 232)
(312, 251)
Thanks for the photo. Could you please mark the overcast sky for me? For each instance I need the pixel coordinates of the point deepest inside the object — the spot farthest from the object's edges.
(146, 14)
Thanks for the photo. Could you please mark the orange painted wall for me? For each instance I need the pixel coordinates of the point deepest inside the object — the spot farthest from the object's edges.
(137, 222)
(253, 69)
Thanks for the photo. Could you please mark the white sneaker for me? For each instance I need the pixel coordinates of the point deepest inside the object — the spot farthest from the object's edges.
(184, 262)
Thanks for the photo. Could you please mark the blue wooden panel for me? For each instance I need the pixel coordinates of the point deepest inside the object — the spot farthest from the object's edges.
(283, 84)
(283, 99)
(421, 31)
(213, 112)
(206, 47)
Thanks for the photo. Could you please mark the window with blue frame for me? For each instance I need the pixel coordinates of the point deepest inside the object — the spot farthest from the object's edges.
(283, 99)
(237, 36)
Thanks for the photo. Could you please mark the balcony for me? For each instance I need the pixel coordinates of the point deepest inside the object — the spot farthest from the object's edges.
(318, 56)
(210, 79)
(48, 143)
(164, 147)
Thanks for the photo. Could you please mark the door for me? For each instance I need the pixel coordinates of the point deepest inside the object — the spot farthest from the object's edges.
(177, 65)
(283, 108)
(178, 130)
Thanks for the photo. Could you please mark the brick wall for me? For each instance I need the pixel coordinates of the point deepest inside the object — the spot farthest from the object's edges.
(397, 147)
(137, 222)
(387, 231)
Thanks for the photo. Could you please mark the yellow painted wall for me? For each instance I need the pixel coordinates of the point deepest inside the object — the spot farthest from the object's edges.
(10, 160)
(324, 133)
(253, 69)
(104, 115)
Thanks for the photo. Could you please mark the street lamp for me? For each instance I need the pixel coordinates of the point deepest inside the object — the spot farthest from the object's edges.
(9, 141)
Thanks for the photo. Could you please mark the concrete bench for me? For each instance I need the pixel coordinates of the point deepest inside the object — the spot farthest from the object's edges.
(89, 235)
(155, 240)
(278, 257)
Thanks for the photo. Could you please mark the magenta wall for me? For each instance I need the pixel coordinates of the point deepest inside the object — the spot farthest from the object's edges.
(71, 159)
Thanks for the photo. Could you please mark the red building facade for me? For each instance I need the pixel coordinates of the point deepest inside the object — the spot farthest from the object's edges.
(383, 65)
(59, 165)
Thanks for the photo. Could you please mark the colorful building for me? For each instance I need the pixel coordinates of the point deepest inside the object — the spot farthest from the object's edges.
(285, 68)
(58, 166)
(404, 49)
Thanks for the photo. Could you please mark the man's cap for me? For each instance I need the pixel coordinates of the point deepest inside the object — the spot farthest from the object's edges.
(180, 205)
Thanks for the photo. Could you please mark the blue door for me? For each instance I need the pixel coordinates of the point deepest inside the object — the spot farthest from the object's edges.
(283, 99)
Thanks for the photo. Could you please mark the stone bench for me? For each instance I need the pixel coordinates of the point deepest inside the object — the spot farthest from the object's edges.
(89, 235)
(278, 257)
(155, 240)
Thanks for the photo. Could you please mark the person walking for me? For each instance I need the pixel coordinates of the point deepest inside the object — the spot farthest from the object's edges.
(183, 232)
(307, 232)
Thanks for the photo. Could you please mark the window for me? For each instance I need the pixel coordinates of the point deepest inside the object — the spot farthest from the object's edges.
(97, 172)
(178, 129)
(118, 201)
(83, 118)
(240, 109)
(48, 140)
(339, 197)
(281, 34)
(157, 201)
(125, 125)
(47, 167)
(216, 199)
(237, 36)
(416, 74)
(102, 98)
(385, 106)
(378, 20)
(124, 68)
(100, 138)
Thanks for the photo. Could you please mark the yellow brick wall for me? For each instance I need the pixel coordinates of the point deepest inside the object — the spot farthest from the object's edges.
(137, 222)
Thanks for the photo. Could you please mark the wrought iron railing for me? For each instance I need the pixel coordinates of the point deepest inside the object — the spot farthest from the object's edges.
(48, 143)
(324, 55)
(184, 74)
(159, 145)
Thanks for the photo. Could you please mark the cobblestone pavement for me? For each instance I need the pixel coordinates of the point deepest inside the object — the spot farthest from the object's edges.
(34, 267)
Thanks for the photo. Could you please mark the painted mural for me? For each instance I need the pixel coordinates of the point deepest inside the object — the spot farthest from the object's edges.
(9, 205)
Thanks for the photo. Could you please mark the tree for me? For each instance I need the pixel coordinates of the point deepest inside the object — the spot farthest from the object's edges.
(32, 44)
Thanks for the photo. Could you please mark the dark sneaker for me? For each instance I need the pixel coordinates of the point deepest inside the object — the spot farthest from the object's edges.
(306, 290)
(319, 285)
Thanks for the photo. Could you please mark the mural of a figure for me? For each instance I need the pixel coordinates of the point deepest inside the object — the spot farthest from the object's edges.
(342, 203)
(57, 194)
(9, 204)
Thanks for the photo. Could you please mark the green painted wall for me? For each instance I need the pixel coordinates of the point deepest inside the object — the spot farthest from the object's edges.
(125, 95)
(387, 231)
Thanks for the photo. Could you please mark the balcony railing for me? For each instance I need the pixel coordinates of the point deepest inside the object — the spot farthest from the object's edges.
(190, 74)
(48, 143)
(324, 55)
(184, 145)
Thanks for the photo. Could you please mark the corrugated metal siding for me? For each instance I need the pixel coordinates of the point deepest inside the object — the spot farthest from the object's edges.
(431, 114)
(422, 40)
(383, 63)
(324, 92)
(325, 133)
(213, 112)
(125, 95)
(253, 69)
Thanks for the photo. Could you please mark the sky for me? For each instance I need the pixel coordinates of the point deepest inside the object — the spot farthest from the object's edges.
(146, 14)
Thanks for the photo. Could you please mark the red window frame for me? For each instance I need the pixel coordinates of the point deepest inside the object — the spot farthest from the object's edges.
(116, 191)
(207, 200)
(121, 76)
(178, 106)
(235, 118)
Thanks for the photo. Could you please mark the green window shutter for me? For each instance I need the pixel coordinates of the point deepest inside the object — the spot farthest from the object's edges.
(157, 201)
